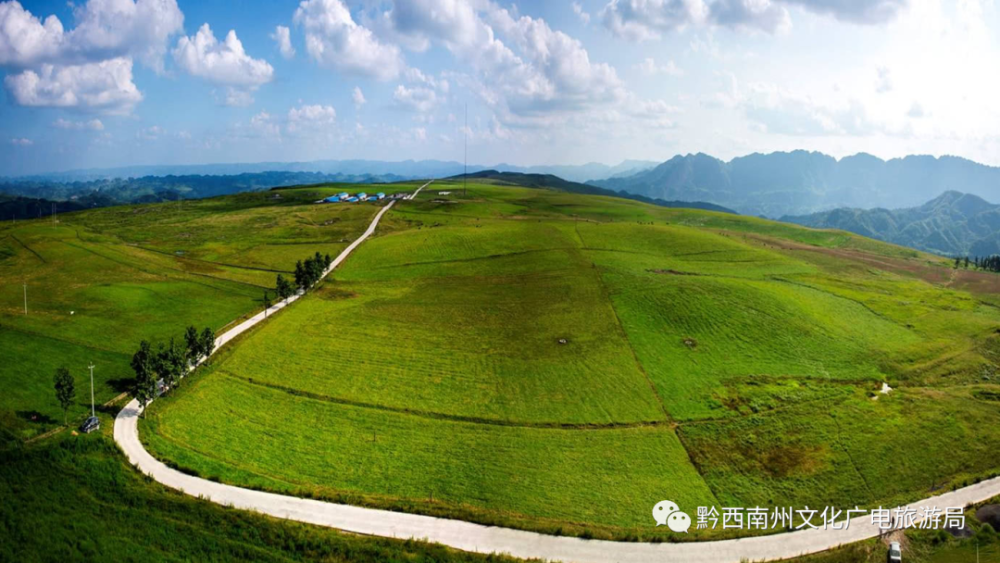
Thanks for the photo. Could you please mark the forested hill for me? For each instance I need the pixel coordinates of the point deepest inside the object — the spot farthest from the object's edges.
(151, 189)
(555, 182)
(800, 182)
(953, 224)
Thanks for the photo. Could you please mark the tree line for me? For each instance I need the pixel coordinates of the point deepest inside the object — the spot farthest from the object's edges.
(169, 361)
(307, 274)
(987, 263)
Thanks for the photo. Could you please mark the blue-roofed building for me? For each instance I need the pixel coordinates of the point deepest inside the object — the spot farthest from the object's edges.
(362, 196)
(380, 195)
(343, 195)
(352, 199)
(372, 198)
(332, 199)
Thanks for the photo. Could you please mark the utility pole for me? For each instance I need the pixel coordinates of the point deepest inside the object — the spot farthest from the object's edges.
(465, 175)
(92, 408)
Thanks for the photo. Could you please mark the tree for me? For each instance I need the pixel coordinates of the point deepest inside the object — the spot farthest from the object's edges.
(301, 276)
(283, 288)
(267, 302)
(170, 363)
(958, 261)
(65, 390)
(207, 341)
(966, 262)
(327, 261)
(193, 355)
(144, 366)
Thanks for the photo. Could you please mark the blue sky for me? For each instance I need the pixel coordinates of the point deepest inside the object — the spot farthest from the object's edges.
(118, 82)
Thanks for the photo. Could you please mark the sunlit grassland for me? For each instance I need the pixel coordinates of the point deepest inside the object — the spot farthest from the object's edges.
(491, 473)
(100, 281)
(855, 450)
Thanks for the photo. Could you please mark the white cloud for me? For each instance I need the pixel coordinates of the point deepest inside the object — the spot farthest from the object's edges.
(417, 98)
(263, 125)
(21, 142)
(103, 86)
(105, 29)
(359, 97)
(759, 15)
(221, 63)
(236, 97)
(420, 134)
(416, 22)
(283, 37)
(580, 13)
(93, 124)
(334, 40)
(916, 111)
(855, 11)
(884, 82)
(639, 20)
(324, 115)
(150, 133)
(649, 67)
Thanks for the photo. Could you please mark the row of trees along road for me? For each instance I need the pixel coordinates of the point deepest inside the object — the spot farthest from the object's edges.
(307, 273)
(169, 362)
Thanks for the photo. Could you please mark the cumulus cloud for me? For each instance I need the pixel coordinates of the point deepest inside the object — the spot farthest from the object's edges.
(21, 142)
(283, 38)
(93, 124)
(580, 13)
(221, 63)
(333, 39)
(855, 11)
(105, 29)
(775, 110)
(359, 97)
(760, 15)
(916, 111)
(640, 20)
(883, 83)
(649, 67)
(416, 22)
(319, 114)
(103, 86)
(417, 98)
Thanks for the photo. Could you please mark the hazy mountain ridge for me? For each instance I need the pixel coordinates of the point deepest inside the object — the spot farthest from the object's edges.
(406, 170)
(555, 182)
(953, 224)
(801, 182)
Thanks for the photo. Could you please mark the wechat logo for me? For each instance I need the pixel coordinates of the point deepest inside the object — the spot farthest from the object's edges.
(667, 513)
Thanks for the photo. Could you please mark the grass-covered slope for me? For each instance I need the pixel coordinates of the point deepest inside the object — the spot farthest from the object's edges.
(100, 281)
(562, 362)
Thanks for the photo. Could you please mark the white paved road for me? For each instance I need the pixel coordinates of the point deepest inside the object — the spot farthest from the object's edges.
(487, 539)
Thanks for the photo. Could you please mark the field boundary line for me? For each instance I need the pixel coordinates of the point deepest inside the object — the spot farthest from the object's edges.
(29, 249)
(583, 426)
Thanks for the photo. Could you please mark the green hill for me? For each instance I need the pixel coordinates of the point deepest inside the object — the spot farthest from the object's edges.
(558, 361)
(953, 224)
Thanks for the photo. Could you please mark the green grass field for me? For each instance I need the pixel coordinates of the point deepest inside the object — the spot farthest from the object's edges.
(561, 362)
(100, 281)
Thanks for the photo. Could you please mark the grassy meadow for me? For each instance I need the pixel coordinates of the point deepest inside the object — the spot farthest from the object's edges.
(100, 281)
(561, 362)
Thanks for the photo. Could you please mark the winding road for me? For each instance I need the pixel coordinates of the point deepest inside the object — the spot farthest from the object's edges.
(479, 538)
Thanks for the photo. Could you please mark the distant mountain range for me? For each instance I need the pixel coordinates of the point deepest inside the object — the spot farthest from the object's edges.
(800, 182)
(407, 169)
(550, 181)
(953, 224)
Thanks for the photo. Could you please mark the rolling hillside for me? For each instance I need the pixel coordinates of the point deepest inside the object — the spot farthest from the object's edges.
(953, 224)
(517, 344)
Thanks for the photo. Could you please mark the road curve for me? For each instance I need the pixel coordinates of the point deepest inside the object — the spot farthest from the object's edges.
(488, 539)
